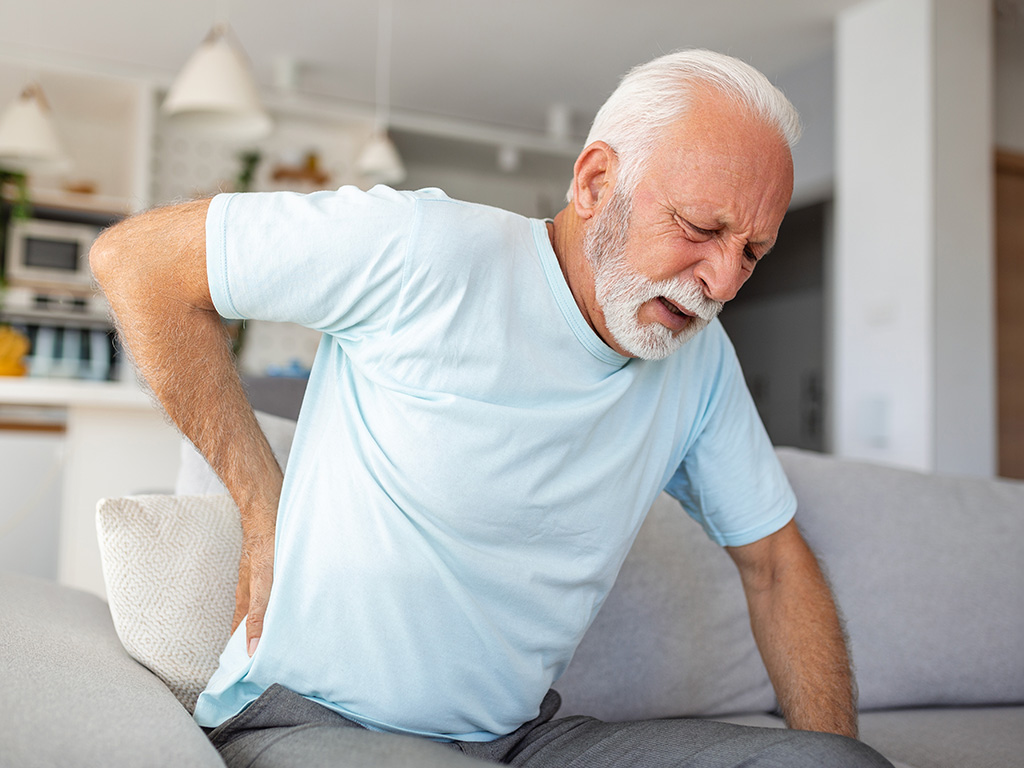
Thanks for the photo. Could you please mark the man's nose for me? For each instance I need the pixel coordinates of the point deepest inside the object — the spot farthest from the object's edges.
(721, 276)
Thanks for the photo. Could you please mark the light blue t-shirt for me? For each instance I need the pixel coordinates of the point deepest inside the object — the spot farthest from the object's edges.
(471, 463)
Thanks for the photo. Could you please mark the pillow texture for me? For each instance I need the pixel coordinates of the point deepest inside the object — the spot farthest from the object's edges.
(171, 566)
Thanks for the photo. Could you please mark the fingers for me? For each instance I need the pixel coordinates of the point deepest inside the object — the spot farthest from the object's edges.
(261, 578)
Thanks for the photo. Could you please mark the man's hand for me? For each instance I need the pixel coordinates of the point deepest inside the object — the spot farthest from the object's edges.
(255, 578)
(152, 268)
(798, 632)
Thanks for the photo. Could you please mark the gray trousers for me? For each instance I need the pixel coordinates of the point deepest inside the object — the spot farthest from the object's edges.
(284, 730)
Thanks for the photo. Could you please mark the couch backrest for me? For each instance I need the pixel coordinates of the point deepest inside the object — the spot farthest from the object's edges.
(928, 571)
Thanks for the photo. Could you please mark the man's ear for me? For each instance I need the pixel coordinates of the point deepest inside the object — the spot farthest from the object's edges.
(593, 178)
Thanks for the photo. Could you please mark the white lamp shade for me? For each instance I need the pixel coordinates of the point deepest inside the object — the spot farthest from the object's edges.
(379, 161)
(215, 93)
(28, 140)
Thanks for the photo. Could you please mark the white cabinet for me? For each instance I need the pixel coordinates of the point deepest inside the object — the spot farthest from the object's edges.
(116, 443)
(31, 463)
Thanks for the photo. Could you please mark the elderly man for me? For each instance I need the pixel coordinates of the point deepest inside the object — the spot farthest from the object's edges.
(494, 405)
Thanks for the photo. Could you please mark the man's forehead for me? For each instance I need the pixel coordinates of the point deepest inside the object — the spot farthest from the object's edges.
(729, 174)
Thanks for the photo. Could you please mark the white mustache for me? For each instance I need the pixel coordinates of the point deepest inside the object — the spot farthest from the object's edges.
(687, 294)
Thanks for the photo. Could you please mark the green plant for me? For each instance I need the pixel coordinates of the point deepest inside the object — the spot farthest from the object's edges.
(16, 182)
(15, 205)
(249, 160)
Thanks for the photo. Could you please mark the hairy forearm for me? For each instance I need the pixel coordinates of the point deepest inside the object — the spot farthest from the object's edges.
(801, 640)
(183, 354)
(152, 270)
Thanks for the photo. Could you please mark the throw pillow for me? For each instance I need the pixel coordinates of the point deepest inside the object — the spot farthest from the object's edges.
(171, 565)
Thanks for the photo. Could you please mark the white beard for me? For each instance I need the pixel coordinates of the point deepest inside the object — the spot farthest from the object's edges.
(621, 292)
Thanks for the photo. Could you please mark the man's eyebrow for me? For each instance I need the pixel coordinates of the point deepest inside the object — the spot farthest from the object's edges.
(720, 223)
(756, 248)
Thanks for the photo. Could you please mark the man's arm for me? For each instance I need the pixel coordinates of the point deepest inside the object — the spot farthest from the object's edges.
(152, 268)
(798, 632)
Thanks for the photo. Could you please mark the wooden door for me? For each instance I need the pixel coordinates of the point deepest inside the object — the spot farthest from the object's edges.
(1010, 311)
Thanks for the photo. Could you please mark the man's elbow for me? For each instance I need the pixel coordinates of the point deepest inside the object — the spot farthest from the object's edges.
(102, 257)
(782, 555)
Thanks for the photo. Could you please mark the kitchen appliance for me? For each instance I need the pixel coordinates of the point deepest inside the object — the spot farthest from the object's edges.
(50, 255)
(51, 298)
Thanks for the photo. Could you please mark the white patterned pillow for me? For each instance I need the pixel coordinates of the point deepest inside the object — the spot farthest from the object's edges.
(171, 565)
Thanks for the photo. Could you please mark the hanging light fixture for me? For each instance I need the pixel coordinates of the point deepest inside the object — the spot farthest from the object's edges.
(28, 139)
(379, 161)
(215, 92)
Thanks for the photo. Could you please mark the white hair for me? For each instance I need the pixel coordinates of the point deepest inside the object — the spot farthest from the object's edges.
(656, 95)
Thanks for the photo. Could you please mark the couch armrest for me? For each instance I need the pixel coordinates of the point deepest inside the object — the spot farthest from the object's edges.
(70, 694)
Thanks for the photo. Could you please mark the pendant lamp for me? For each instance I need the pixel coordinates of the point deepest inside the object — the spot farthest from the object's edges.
(379, 161)
(28, 140)
(215, 93)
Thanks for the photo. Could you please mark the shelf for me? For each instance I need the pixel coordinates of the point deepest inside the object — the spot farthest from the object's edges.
(16, 390)
(107, 206)
(17, 316)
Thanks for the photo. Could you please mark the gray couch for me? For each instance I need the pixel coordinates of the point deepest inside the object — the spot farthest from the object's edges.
(929, 572)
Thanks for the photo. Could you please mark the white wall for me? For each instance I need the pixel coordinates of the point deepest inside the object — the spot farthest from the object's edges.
(912, 341)
(811, 88)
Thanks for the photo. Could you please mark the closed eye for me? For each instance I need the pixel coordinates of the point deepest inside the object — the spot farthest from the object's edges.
(748, 252)
(700, 231)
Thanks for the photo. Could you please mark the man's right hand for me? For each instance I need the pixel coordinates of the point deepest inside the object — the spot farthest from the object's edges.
(255, 578)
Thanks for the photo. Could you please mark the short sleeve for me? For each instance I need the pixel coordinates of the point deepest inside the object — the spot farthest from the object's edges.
(331, 260)
(730, 480)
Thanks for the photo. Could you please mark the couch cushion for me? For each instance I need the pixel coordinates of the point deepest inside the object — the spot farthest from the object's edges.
(70, 695)
(673, 637)
(171, 565)
(929, 573)
(975, 737)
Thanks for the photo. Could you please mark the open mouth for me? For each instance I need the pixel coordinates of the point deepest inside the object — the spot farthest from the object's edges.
(671, 315)
(673, 308)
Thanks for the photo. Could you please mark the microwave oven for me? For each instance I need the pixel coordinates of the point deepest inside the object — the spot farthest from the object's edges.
(50, 255)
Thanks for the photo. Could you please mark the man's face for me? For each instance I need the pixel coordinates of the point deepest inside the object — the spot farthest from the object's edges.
(705, 211)
(621, 291)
